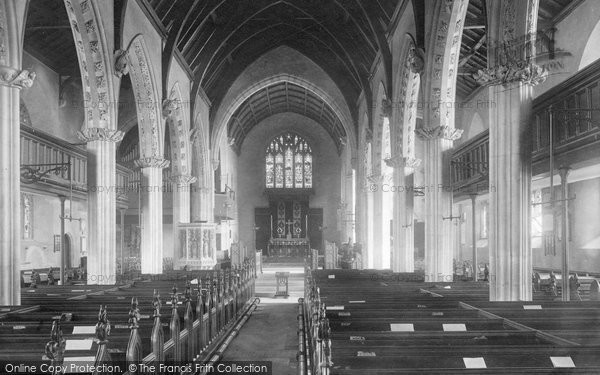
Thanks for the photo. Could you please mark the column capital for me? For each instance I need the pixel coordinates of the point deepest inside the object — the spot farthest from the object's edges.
(152, 162)
(16, 78)
(183, 179)
(398, 162)
(100, 134)
(516, 71)
(439, 132)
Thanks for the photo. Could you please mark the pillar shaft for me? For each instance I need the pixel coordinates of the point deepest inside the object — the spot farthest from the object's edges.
(10, 210)
(438, 202)
(181, 198)
(201, 194)
(102, 206)
(403, 259)
(151, 246)
(510, 185)
(12, 79)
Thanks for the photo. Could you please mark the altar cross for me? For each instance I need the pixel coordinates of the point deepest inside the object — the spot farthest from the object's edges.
(289, 223)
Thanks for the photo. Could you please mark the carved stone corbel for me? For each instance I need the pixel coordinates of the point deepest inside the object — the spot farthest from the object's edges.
(386, 108)
(16, 78)
(170, 107)
(121, 62)
(417, 62)
(215, 163)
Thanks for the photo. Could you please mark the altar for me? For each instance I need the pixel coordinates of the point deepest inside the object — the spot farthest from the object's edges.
(288, 227)
(290, 247)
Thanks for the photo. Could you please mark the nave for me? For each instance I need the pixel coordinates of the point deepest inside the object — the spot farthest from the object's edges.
(437, 153)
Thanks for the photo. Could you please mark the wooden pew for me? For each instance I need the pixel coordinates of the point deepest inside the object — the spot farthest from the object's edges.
(197, 319)
(364, 325)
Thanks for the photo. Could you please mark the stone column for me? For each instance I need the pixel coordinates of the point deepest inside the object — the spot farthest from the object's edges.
(181, 198)
(102, 203)
(12, 80)
(200, 196)
(403, 259)
(181, 208)
(151, 246)
(375, 221)
(511, 75)
(510, 184)
(438, 201)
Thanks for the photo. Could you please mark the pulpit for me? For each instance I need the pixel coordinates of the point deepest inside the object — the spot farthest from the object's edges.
(197, 247)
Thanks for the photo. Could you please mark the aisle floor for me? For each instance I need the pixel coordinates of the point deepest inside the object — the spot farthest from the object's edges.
(270, 333)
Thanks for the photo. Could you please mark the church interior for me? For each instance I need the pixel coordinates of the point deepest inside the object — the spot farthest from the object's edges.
(300, 187)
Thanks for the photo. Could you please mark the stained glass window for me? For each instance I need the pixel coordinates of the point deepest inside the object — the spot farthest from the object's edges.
(288, 163)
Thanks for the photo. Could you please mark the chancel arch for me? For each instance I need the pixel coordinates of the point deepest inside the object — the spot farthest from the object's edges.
(342, 130)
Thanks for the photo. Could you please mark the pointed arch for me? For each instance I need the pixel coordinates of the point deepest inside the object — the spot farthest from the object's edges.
(220, 128)
(379, 119)
(147, 99)
(95, 61)
(201, 154)
(177, 124)
(407, 92)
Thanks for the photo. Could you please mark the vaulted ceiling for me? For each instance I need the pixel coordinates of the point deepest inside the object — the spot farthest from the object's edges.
(220, 38)
(279, 98)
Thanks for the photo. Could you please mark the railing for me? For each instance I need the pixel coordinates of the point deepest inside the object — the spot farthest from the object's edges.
(574, 106)
(469, 162)
(316, 351)
(42, 148)
(220, 300)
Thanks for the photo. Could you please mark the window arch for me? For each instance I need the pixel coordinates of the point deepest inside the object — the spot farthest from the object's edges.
(288, 163)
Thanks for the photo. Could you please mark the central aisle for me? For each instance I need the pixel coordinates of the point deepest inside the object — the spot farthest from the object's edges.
(271, 332)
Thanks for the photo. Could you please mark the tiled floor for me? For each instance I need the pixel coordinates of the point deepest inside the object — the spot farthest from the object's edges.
(270, 333)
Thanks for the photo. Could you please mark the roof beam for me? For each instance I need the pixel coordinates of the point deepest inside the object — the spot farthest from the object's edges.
(269, 101)
(384, 49)
(472, 51)
(171, 44)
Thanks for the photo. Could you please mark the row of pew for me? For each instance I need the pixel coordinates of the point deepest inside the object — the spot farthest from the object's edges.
(372, 322)
(134, 328)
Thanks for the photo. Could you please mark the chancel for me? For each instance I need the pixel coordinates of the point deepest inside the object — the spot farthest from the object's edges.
(314, 186)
